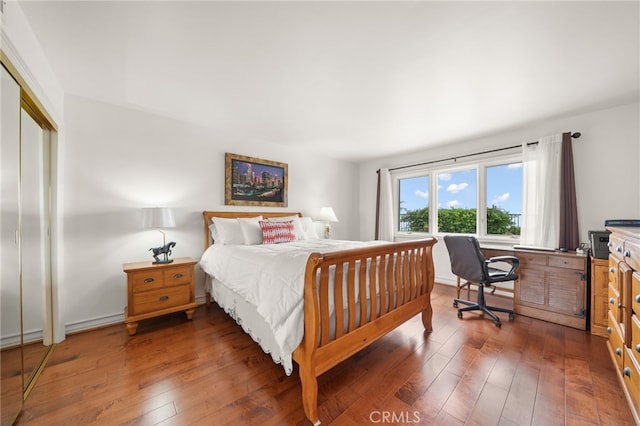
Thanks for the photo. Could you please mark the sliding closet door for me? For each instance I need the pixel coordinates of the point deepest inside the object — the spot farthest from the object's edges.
(11, 385)
(35, 248)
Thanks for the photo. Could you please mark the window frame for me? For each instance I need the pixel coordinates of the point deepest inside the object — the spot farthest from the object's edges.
(432, 170)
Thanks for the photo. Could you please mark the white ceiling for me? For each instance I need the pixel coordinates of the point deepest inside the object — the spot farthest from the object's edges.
(356, 79)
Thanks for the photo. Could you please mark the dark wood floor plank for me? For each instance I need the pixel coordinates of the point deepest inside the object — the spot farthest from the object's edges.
(208, 371)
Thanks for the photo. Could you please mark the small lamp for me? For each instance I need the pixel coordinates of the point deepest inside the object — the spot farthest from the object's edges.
(156, 218)
(327, 216)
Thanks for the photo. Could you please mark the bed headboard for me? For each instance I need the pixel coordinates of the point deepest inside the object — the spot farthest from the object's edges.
(207, 215)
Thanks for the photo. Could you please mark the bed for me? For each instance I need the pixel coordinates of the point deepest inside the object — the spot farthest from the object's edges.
(309, 300)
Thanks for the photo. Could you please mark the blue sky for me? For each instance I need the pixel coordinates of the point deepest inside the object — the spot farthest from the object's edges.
(459, 189)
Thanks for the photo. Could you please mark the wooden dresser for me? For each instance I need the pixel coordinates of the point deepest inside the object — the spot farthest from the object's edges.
(551, 286)
(154, 290)
(624, 311)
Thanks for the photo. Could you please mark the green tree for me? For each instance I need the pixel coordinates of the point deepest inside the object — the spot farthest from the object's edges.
(460, 221)
(417, 220)
(499, 222)
(457, 220)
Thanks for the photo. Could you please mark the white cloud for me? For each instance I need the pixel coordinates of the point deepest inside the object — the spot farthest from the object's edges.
(515, 166)
(453, 203)
(423, 194)
(454, 188)
(444, 176)
(500, 198)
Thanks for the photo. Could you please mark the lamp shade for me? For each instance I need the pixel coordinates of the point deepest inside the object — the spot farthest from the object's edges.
(158, 217)
(327, 215)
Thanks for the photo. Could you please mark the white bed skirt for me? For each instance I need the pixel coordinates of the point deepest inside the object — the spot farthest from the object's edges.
(246, 315)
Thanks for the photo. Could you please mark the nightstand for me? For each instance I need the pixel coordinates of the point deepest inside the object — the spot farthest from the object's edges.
(154, 290)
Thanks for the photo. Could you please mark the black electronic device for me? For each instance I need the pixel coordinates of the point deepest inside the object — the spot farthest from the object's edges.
(599, 244)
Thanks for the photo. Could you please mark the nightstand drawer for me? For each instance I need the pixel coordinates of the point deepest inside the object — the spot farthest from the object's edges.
(177, 276)
(156, 300)
(147, 280)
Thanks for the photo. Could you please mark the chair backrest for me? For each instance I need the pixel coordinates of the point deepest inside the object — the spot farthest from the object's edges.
(467, 261)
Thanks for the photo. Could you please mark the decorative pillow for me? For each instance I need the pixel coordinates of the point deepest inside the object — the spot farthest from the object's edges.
(251, 231)
(277, 232)
(309, 228)
(226, 231)
(297, 225)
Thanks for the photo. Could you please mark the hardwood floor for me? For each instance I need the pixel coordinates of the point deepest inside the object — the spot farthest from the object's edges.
(208, 372)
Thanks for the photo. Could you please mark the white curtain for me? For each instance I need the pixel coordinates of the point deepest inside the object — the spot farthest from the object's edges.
(541, 192)
(385, 224)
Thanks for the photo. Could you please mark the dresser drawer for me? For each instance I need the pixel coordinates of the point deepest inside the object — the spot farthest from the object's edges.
(635, 338)
(614, 303)
(635, 293)
(156, 300)
(615, 340)
(527, 259)
(614, 277)
(177, 276)
(631, 254)
(567, 262)
(146, 280)
(616, 246)
(631, 376)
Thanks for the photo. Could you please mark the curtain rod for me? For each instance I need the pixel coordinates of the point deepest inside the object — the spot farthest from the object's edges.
(575, 135)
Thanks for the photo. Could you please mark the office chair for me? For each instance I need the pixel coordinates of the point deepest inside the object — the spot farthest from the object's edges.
(468, 263)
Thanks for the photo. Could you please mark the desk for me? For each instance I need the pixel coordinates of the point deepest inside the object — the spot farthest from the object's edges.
(552, 286)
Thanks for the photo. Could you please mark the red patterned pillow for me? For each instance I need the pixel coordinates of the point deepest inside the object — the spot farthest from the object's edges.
(277, 232)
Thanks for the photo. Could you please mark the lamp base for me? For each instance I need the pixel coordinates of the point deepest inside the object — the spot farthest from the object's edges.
(327, 231)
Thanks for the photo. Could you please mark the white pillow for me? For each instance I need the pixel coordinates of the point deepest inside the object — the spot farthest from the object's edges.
(251, 231)
(309, 228)
(297, 225)
(227, 231)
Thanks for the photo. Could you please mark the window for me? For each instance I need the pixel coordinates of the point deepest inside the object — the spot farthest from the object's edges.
(481, 198)
(458, 201)
(504, 199)
(414, 204)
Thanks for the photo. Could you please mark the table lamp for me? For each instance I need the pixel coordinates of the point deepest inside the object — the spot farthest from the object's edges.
(327, 216)
(157, 218)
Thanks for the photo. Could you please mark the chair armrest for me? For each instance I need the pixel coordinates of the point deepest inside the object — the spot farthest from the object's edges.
(508, 259)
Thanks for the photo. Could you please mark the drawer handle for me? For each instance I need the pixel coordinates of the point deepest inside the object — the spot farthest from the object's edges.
(638, 348)
(626, 371)
(163, 298)
(627, 253)
(609, 330)
(612, 269)
(618, 351)
(638, 298)
(612, 301)
(609, 244)
(619, 249)
(148, 280)
(176, 276)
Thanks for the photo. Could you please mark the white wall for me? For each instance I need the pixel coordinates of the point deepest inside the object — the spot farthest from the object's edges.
(605, 160)
(118, 160)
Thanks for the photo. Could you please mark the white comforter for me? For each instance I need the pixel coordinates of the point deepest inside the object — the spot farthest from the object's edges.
(271, 277)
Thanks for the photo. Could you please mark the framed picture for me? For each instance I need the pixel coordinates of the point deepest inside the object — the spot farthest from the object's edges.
(254, 182)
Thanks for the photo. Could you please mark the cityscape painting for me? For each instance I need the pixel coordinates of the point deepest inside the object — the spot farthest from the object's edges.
(254, 182)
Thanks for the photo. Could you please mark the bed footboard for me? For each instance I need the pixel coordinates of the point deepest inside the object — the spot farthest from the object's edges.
(354, 297)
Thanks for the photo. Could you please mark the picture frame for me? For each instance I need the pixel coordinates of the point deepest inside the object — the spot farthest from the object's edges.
(253, 181)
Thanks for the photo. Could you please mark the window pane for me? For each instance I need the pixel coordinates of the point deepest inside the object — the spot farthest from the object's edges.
(457, 202)
(414, 204)
(504, 199)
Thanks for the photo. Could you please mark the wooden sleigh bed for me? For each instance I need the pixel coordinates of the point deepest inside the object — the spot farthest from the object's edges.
(394, 286)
